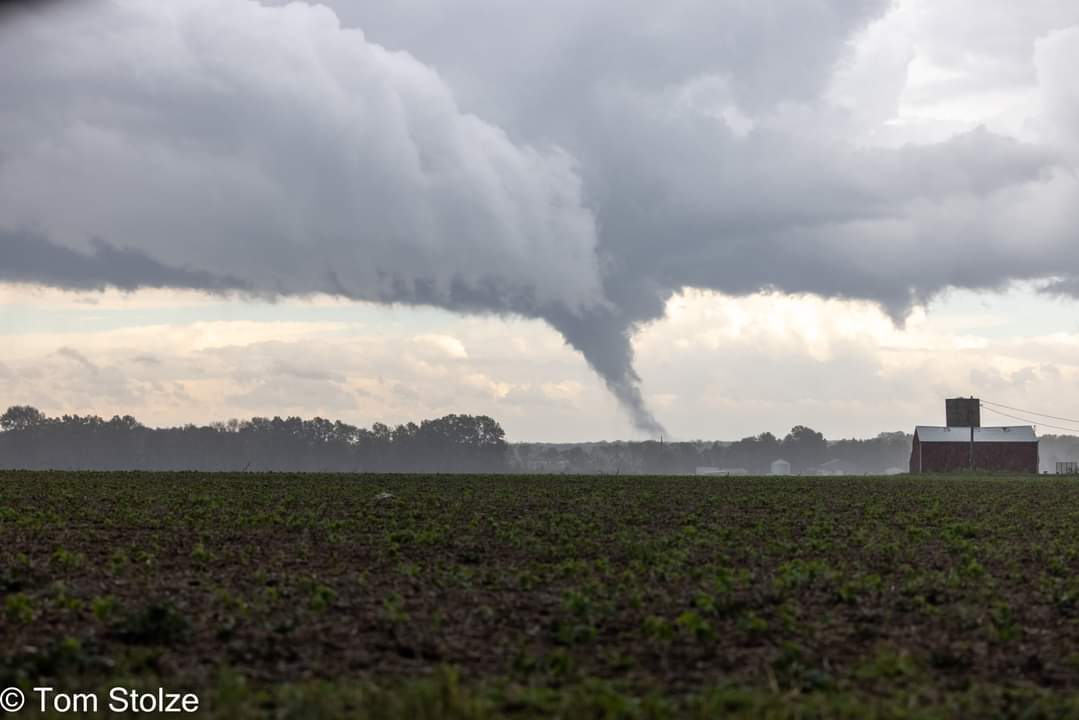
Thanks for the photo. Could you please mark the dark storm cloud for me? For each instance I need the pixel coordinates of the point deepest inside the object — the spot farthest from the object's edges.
(642, 95)
(575, 162)
(9, 6)
(29, 257)
(558, 61)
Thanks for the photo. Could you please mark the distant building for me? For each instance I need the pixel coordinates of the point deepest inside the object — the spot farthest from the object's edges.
(780, 467)
(894, 471)
(964, 445)
(1067, 467)
(995, 449)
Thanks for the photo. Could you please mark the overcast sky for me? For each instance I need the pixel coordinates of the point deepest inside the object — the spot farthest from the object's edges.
(590, 220)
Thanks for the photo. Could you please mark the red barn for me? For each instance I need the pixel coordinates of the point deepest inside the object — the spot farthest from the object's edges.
(995, 449)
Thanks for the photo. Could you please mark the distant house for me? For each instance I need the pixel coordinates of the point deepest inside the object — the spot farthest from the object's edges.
(780, 467)
(955, 449)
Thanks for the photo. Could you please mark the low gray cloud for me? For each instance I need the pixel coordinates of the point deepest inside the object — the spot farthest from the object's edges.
(9, 8)
(147, 360)
(73, 354)
(306, 371)
(30, 257)
(1064, 287)
(272, 145)
(575, 162)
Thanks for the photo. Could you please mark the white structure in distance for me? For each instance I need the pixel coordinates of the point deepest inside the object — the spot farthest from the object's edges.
(780, 467)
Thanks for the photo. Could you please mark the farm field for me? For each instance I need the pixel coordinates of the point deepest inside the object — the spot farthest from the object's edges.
(594, 597)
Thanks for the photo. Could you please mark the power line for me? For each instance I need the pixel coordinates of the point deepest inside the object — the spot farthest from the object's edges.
(1030, 412)
(1033, 422)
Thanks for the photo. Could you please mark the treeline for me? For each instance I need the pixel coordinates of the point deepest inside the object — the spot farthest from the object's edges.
(807, 450)
(454, 443)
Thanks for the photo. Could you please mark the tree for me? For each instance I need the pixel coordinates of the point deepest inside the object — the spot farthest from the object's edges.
(22, 417)
(805, 448)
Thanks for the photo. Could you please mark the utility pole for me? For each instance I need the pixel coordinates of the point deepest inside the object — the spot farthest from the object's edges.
(972, 448)
(970, 421)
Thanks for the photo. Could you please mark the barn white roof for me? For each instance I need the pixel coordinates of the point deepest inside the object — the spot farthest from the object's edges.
(1015, 433)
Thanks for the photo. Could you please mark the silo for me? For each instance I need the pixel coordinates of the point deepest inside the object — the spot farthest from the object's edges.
(963, 412)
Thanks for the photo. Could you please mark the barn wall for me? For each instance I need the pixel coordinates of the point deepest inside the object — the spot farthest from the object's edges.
(1007, 457)
(992, 457)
